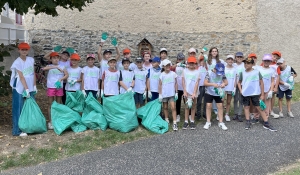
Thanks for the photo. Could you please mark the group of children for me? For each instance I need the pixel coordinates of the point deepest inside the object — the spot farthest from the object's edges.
(201, 83)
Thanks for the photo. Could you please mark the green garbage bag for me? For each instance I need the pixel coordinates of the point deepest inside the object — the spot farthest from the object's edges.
(93, 116)
(63, 117)
(78, 127)
(32, 119)
(151, 119)
(75, 101)
(120, 112)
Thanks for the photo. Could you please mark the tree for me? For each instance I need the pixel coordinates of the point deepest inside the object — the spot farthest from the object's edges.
(44, 6)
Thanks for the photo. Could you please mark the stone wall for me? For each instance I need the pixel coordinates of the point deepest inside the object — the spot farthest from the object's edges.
(86, 41)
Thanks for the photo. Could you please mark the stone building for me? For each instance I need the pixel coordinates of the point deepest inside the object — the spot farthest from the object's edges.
(259, 26)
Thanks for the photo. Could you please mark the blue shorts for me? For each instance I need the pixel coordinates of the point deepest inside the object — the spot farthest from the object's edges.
(138, 99)
(288, 93)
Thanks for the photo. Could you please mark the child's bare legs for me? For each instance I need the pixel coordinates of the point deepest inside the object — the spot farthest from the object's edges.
(273, 101)
(268, 105)
(288, 104)
(208, 111)
(173, 109)
(262, 114)
(59, 100)
(247, 112)
(137, 105)
(193, 110)
(229, 97)
(165, 107)
(186, 114)
(220, 111)
(280, 104)
(50, 101)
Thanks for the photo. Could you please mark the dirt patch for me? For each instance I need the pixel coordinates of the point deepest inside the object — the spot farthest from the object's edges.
(11, 144)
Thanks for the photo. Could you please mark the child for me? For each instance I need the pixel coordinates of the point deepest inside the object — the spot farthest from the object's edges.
(200, 100)
(56, 75)
(215, 79)
(90, 76)
(153, 79)
(287, 72)
(237, 101)
(254, 115)
(190, 81)
(140, 88)
(168, 91)
(163, 55)
(251, 87)
(268, 76)
(74, 72)
(147, 58)
(127, 77)
(192, 52)
(179, 70)
(111, 79)
(22, 82)
(231, 76)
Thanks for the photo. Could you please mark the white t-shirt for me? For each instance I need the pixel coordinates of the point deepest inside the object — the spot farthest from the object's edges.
(140, 80)
(111, 82)
(231, 76)
(179, 71)
(103, 66)
(127, 78)
(214, 62)
(284, 76)
(213, 78)
(66, 64)
(154, 76)
(27, 68)
(74, 74)
(147, 67)
(168, 81)
(54, 75)
(91, 78)
(202, 70)
(250, 83)
(191, 77)
(267, 75)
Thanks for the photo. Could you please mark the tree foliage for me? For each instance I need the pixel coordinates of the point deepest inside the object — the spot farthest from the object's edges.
(5, 88)
(44, 6)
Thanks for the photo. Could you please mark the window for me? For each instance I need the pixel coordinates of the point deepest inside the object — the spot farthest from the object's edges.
(18, 19)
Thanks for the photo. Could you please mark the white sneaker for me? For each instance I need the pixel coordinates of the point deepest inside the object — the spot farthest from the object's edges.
(50, 125)
(190, 118)
(167, 120)
(207, 125)
(23, 134)
(290, 114)
(281, 114)
(274, 115)
(222, 126)
(251, 116)
(227, 118)
(178, 118)
(217, 118)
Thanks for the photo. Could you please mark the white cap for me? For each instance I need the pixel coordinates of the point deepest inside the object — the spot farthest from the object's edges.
(165, 62)
(163, 49)
(281, 60)
(230, 56)
(192, 50)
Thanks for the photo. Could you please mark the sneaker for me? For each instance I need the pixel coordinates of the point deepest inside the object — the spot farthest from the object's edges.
(248, 125)
(167, 120)
(175, 128)
(240, 119)
(235, 117)
(217, 118)
(185, 125)
(222, 126)
(290, 114)
(50, 125)
(23, 134)
(281, 114)
(251, 116)
(227, 118)
(190, 118)
(216, 111)
(255, 120)
(178, 118)
(274, 115)
(193, 126)
(269, 127)
(207, 125)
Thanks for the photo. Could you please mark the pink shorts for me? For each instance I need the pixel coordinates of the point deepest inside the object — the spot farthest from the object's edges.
(52, 92)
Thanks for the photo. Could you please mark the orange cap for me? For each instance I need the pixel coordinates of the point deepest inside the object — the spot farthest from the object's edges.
(192, 60)
(276, 53)
(125, 51)
(252, 55)
(201, 57)
(75, 56)
(24, 46)
(53, 54)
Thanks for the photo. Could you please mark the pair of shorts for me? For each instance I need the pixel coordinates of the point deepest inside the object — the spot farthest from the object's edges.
(53, 92)
(288, 93)
(228, 92)
(210, 98)
(138, 99)
(168, 99)
(254, 99)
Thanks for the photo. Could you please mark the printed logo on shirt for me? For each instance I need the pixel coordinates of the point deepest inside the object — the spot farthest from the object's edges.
(216, 79)
(191, 77)
(91, 74)
(252, 78)
(266, 75)
(179, 72)
(127, 79)
(155, 76)
(55, 71)
(230, 75)
(28, 71)
(285, 75)
(73, 74)
(112, 78)
(168, 80)
(140, 76)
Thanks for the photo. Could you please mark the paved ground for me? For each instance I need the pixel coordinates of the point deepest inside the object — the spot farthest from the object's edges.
(236, 151)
